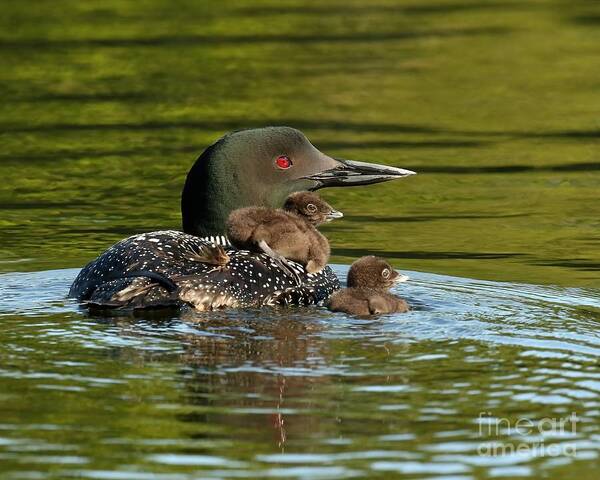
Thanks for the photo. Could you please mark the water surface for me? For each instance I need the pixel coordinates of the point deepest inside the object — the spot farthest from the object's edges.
(302, 393)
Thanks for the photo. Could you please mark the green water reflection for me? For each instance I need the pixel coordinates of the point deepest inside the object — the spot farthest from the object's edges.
(106, 105)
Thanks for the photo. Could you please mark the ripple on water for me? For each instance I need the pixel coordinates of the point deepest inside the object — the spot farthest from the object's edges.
(299, 393)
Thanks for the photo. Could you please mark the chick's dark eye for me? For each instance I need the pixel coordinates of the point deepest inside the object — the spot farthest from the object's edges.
(385, 273)
(311, 208)
(283, 162)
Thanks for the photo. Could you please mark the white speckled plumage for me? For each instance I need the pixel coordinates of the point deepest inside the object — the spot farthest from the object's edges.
(249, 279)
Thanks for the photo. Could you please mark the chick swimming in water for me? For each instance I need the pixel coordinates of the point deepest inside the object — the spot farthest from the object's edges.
(369, 280)
(285, 234)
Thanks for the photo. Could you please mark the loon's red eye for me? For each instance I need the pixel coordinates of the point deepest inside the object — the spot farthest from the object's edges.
(283, 162)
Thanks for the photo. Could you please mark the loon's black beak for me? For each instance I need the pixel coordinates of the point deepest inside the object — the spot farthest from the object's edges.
(348, 173)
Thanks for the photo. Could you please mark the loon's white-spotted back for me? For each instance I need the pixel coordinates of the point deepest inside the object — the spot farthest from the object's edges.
(117, 278)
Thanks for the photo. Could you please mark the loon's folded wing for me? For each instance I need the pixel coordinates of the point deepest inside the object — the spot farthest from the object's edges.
(122, 276)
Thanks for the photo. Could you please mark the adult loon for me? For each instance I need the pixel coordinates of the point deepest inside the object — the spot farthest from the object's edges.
(244, 168)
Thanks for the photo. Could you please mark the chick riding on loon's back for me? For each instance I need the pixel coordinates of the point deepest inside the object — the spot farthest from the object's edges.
(285, 234)
(257, 167)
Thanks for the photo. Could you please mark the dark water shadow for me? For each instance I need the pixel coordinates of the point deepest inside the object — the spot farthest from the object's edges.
(163, 316)
(84, 97)
(200, 40)
(346, 10)
(581, 265)
(219, 125)
(358, 252)
(590, 20)
(560, 134)
(423, 218)
(354, 145)
(459, 169)
(45, 157)
(41, 205)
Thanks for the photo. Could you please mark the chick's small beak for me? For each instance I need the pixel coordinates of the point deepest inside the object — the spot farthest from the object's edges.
(401, 278)
(333, 215)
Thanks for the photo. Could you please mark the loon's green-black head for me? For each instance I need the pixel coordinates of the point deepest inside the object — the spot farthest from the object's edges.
(262, 167)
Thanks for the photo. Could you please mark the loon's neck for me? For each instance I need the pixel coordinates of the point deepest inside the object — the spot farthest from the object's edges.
(205, 205)
(213, 189)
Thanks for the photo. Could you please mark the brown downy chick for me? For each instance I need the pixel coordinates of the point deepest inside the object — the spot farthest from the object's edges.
(285, 234)
(211, 254)
(369, 280)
